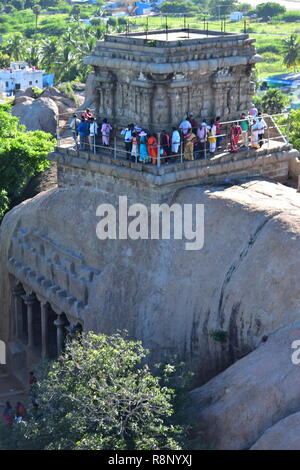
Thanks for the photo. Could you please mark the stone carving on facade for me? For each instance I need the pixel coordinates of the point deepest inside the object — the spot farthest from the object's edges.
(51, 271)
(129, 90)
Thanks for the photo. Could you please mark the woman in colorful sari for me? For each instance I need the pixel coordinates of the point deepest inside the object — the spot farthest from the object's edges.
(152, 148)
(212, 137)
(189, 139)
(234, 135)
(144, 156)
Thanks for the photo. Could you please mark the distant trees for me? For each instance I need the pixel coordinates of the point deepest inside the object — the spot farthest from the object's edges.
(179, 6)
(269, 9)
(222, 7)
(291, 51)
(75, 12)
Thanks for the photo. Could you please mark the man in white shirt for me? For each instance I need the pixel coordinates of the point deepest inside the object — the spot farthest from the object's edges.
(262, 125)
(127, 133)
(185, 125)
(93, 131)
(75, 121)
(175, 140)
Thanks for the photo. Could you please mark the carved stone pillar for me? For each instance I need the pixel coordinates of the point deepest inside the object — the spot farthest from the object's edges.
(44, 318)
(30, 300)
(60, 325)
(17, 294)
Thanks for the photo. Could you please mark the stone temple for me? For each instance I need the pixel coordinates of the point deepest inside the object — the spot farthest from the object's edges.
(155, 79)
(57, 277)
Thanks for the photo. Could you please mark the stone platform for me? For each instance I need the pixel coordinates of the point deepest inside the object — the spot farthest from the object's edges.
(101, 171)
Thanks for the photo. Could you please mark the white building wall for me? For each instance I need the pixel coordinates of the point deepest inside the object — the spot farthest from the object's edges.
(20, 79)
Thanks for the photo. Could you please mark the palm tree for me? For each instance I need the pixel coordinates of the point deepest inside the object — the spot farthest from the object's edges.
(15, 47)
(37, 11)
(291, 50)
(32, 54)
(48, 52)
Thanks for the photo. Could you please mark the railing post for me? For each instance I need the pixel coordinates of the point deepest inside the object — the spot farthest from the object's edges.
(158, 149)
(57, 131)
(288, 128)
(115, 146)
(181, 149)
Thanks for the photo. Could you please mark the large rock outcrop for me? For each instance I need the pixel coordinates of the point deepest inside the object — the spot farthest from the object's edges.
(40, 114)
(245, 280)
(239, 405)
(284, 435)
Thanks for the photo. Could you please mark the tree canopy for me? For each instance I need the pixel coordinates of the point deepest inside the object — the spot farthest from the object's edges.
(99, 395)
(22, 155)
(269, 9)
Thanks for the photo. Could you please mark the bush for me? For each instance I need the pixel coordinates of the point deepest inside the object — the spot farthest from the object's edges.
(4, 202)
(37, 92)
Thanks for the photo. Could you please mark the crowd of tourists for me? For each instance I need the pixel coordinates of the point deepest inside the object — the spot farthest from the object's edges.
(11, 414)
(18, 413)
(193, 139)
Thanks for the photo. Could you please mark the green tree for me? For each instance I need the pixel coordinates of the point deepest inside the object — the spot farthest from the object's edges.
(274, 101)
(294, 127)
(222, 7)
(97, 396)
(291, 51)
(15, 47)
(22, 154)
(269, 9)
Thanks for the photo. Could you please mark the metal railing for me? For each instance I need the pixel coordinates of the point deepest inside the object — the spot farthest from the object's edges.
(277, 131)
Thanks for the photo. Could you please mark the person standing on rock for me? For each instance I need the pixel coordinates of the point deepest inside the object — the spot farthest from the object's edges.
(75, 121)
(245, 129)
(185, 126)
(190, 140)
(87, 114)
(8, 414)
(175, 141)
(105, 131)
(212, 137)
(127, 133)
(262, 125)
(93, 131)
(83, 131)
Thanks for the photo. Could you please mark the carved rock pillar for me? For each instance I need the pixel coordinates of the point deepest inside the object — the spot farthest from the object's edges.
(17, 295)
(44, 318)
(60, 325)
(30, 300)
